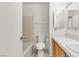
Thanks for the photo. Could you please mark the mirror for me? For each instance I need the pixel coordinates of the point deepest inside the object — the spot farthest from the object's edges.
(73, 19)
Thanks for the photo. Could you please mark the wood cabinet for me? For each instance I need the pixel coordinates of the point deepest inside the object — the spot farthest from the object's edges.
(57, 51)
(61, 52)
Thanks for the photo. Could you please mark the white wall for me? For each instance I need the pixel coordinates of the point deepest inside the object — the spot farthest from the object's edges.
(10, 29)
(59, 17)
(39, 11)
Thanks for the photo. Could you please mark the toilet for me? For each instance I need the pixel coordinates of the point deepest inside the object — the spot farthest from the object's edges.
(40, 45)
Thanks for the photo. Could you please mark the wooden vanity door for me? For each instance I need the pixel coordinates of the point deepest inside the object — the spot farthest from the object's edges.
(54, 49)
(57, 51)
(61, 53)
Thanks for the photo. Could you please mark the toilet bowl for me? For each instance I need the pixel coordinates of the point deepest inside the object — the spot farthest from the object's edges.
(40, 45)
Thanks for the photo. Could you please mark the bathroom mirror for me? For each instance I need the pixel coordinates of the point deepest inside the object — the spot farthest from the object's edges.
(73, 19)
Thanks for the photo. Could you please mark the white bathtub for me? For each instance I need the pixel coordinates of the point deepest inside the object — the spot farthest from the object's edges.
(27, 49)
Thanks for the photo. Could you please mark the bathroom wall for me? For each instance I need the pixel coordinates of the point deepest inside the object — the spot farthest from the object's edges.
(59, 21)
(39, 12)
(71, 33)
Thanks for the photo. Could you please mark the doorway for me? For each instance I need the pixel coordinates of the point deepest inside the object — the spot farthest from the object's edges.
(35, 22)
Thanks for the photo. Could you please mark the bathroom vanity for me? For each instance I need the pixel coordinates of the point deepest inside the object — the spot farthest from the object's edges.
(57, 50)
(64, 47)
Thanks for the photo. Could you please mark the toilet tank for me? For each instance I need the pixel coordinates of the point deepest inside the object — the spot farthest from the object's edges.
(41, 37)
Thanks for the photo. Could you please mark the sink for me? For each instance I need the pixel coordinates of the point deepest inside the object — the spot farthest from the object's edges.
(74, 47)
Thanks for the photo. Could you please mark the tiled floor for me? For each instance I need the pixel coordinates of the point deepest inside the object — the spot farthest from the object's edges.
(46, 53)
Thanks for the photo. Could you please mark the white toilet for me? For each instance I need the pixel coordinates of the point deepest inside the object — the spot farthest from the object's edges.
(40, 45)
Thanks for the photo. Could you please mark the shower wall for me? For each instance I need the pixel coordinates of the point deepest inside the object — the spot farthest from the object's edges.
(40, 13)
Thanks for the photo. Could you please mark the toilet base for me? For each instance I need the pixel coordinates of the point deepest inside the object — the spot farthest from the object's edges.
(40, 53)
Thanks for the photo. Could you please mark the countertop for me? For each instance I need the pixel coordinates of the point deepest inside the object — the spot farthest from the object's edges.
(63, 42)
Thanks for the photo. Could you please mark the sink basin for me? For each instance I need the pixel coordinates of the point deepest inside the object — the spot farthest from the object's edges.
(74, 47)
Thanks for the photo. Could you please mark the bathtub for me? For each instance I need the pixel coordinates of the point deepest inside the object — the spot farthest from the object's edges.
(27, 49)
